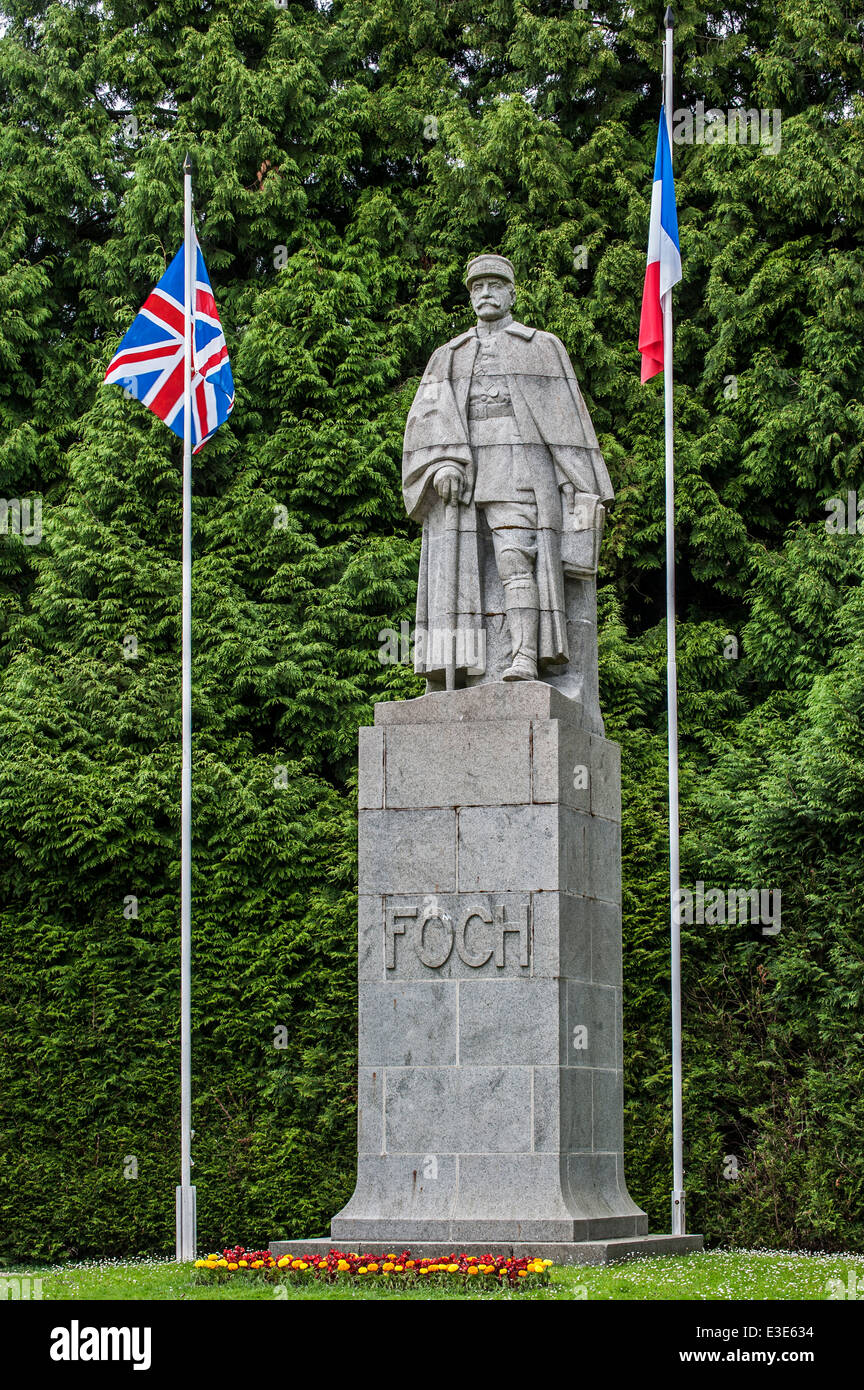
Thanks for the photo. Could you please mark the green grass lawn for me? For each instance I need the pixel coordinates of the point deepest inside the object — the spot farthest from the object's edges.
(712, 1275)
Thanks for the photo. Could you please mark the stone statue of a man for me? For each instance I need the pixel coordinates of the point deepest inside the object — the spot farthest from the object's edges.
(502, 467)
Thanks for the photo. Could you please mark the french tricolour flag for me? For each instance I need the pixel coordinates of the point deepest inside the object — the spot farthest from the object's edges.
(664, 257)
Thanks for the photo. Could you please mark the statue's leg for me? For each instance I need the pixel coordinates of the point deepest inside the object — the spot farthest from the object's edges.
(515, 545)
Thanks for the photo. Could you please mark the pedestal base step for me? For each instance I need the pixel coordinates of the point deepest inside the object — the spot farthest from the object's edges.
(586, 1252)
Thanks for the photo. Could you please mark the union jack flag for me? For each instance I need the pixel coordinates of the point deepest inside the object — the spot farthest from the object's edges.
(149, 362)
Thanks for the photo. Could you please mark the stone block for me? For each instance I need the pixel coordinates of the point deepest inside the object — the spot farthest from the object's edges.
(605, 920)
(370, 770)
(461, 1109)
(370, 1110)
(407, 851)
(592, 1181)
(546, 1109)
(490, 1185)
(562, 766)
(519, 700)
(575, 828)
(478, 764)
(608, 1106)
(410, 1186)
(575, 921)
(596, 1252)
(591, 1025)
(408, 1025)
(370, 936)
(508, 848)
(546, 935)
(576, 1110)
(603, 860)
(605, 779)
(515, 1021)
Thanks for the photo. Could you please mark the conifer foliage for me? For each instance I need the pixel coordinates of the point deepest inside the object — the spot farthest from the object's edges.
(349, 157)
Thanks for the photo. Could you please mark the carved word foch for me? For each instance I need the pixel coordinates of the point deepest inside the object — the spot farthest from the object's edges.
(476, 934)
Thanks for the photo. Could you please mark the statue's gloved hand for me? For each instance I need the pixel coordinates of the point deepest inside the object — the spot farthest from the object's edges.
(568, 492)
(448, 482)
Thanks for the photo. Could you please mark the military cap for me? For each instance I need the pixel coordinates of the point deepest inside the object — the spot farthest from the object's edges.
(489, 264)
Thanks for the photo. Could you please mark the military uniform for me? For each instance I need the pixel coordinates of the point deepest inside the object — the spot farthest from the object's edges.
(504, 491)
(499, 412)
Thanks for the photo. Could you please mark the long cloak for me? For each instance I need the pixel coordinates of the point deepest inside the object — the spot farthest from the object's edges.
(551, 416)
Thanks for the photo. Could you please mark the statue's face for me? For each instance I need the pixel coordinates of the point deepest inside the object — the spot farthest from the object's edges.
(492, 297)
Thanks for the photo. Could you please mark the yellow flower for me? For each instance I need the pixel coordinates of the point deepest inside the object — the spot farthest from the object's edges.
(342, 1266)
(362, 1270)
(547, 1263)
(385, 1274)
(256, 1264)
(387, 1268)
(426, 1271)
(244, 1264)
(210, 1263)
(473, 1269)
(223, 1264)
(523, 1273)
(232, 1266)
(373, 1269)
(200, 1264)
(400, 1269)
(452, 1269)
(410, 1264)
(285, 1260)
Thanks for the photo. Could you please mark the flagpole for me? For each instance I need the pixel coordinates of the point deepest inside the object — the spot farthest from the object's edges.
(678, 1195)
(185, 1194)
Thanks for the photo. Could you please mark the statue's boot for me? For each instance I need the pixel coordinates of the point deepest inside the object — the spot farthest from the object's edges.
(522, 601)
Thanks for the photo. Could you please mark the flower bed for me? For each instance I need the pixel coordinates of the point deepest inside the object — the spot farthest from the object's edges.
(338, 1266)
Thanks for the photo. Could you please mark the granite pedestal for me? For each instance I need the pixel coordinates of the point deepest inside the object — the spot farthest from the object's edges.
(490, 1047)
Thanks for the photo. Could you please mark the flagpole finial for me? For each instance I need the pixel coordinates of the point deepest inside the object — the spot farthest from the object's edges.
(669, 18)
(187, 163)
